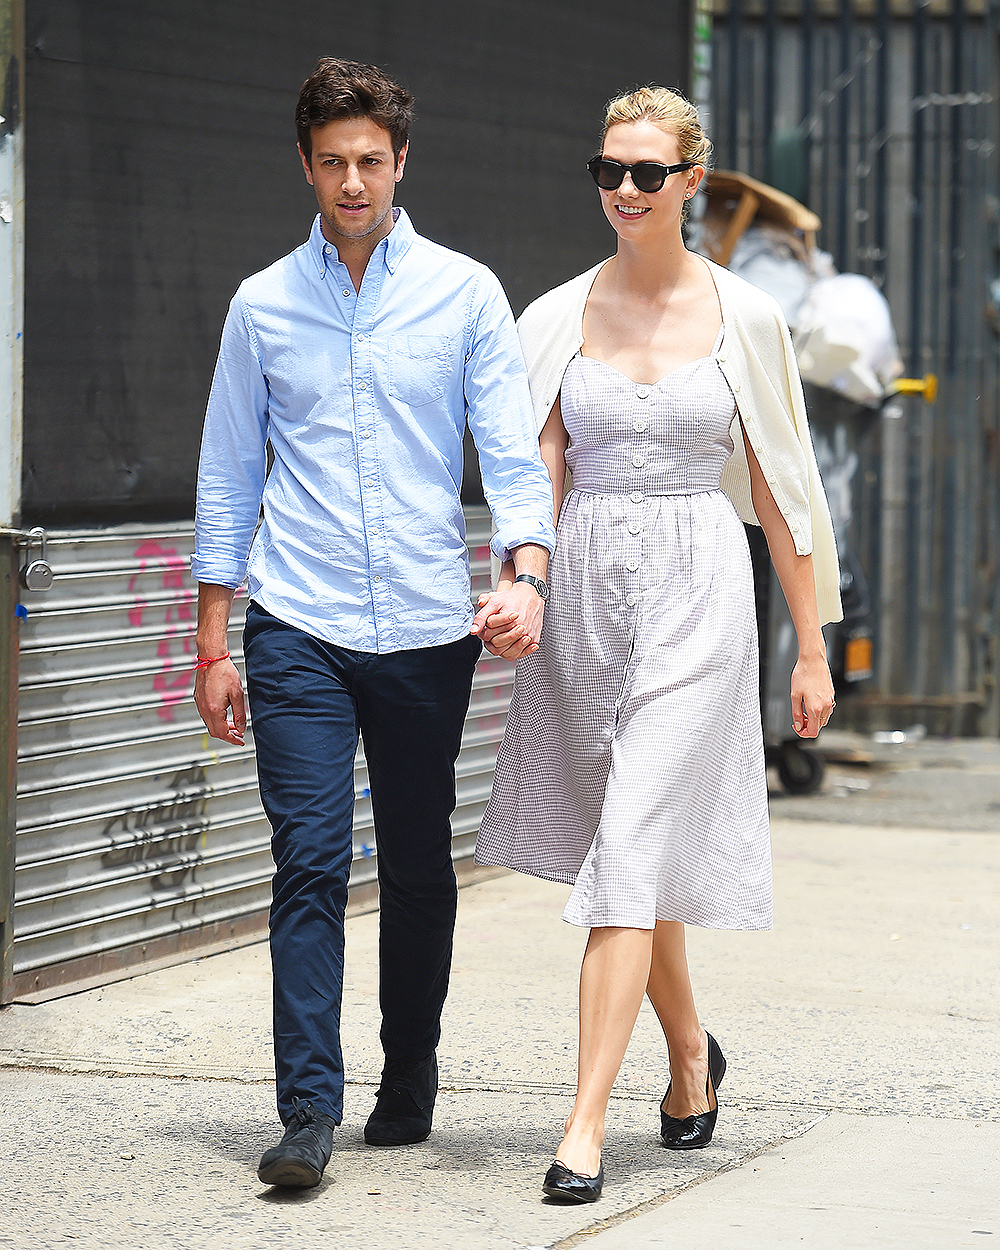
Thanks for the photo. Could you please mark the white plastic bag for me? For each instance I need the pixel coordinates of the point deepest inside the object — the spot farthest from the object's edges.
(844, 338)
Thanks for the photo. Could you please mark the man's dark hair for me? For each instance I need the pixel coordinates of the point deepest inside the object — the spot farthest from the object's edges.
(337, 89)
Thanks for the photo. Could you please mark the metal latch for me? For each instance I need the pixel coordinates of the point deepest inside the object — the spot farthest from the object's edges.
(35, 574)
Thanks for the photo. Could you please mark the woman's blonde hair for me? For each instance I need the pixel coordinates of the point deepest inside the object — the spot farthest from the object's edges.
(670, 111)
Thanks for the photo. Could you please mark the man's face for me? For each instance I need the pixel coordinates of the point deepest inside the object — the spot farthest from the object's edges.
(354, 175)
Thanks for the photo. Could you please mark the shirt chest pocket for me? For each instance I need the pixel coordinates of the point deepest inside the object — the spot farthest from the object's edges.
(419, 365)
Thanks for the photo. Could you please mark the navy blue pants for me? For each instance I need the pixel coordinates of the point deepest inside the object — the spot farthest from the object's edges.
(309, 700)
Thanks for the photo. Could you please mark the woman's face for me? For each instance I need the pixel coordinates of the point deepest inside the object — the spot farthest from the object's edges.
(637, 214)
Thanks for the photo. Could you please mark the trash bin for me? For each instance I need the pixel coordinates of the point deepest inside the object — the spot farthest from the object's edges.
(848, 356)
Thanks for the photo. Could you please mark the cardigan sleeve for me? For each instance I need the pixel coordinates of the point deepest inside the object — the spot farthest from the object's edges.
(759, 363)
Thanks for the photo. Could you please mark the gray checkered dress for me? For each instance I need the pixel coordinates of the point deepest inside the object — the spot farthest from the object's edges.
(633, 763)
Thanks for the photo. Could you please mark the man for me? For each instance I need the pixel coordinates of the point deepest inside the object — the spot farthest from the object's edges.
(359, 358)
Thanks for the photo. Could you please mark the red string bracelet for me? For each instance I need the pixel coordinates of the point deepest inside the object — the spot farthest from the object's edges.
(204, 663)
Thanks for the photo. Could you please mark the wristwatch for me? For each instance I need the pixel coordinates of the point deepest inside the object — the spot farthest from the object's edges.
(539, 585)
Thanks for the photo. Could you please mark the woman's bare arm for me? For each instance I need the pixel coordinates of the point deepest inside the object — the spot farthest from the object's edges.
(812, 685)
(552, 443)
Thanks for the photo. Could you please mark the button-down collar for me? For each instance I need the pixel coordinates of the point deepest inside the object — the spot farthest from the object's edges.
(390, 250)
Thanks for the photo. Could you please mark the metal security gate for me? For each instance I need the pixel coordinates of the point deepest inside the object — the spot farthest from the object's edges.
(138, 836)
(883, 117)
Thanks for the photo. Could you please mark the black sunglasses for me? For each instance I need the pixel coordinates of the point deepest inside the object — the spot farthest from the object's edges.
(647, 176)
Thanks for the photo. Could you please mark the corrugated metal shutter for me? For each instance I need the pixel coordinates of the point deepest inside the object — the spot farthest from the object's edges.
(136, 837)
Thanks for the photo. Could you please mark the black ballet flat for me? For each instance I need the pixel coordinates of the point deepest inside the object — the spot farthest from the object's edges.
(695, 1131)
(560, 1182)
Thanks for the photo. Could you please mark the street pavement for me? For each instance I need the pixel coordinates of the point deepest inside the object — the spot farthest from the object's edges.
(860, 1108)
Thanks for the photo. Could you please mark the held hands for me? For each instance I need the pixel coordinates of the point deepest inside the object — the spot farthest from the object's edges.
(509, 620)
(217, 689)
(812, 695)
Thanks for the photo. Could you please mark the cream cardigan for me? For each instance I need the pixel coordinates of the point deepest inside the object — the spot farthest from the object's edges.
(758, 362)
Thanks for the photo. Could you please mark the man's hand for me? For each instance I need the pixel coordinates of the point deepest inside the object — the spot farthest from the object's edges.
(509, 621)
(217, 686)
(217, 690)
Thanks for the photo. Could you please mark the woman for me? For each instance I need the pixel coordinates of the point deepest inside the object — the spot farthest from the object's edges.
(633, 762)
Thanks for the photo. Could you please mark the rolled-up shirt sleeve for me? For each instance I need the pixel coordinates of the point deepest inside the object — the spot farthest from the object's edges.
(233, 462)
(515, 481)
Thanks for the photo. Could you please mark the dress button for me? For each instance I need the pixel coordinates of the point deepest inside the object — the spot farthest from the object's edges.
(637, 496)
(638, 461)
(362, 386)
(630, 600)
(640, 427)
(634, 527)
(632, 565)
(642, 392)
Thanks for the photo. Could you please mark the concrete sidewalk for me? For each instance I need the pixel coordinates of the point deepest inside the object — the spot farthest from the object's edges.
(860, 1108)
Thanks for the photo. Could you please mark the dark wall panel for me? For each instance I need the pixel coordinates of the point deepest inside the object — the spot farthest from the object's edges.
(161, 170)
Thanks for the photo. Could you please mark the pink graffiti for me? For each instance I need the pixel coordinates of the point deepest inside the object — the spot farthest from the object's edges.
(171, 683)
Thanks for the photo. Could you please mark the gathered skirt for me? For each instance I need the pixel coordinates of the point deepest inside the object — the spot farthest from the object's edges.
(633, 764)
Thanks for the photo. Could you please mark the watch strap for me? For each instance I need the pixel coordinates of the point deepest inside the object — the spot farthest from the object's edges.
(539, 585)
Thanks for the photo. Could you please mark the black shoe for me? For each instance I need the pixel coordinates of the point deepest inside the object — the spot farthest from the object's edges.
(695, 1131)
(405, 1104)
(560, 1182)
(302, 1154)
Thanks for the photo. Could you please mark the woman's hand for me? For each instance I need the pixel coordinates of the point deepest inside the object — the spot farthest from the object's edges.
(812, 695)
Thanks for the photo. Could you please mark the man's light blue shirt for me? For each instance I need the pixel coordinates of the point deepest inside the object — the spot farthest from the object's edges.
(364, 399)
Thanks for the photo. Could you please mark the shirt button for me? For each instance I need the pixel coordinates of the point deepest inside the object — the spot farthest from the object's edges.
(362, 386)
(638, 461)
(378, 577)
(637, 496)
(634, 527)
(326, 249)
(345, 292)
(367, 434)
(640, 427)
(360, 338)
(630, 600)
(632, 565)
(642, 392)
